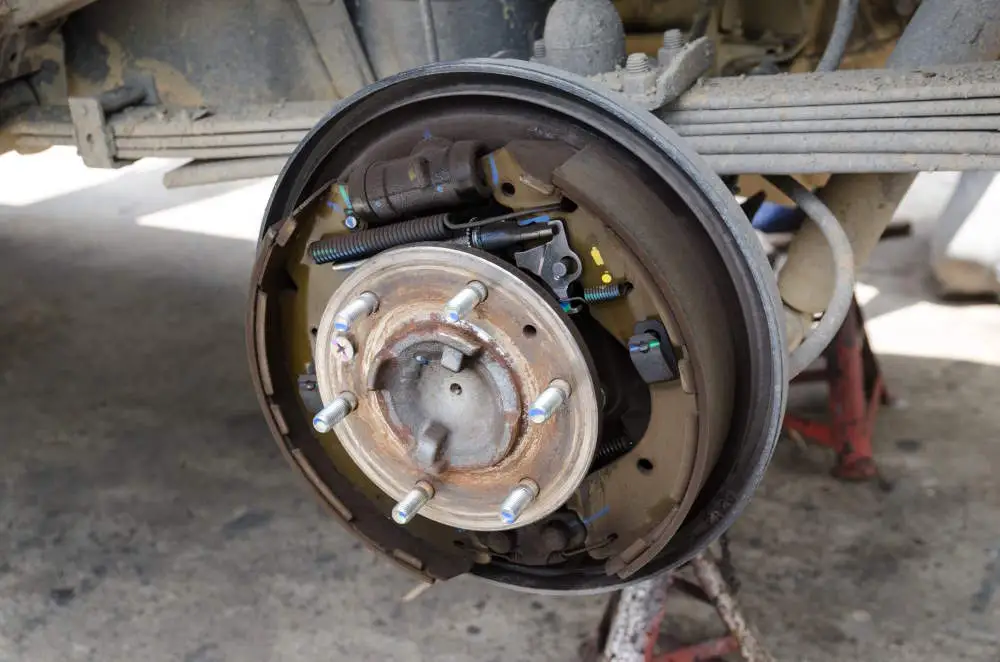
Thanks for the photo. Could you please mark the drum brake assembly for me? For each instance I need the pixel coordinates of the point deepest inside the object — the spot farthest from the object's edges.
(505, 325)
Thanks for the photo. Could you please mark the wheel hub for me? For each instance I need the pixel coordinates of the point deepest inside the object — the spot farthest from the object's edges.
(445, 402)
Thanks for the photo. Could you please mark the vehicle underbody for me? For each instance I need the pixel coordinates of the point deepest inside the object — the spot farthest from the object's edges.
(508, 316)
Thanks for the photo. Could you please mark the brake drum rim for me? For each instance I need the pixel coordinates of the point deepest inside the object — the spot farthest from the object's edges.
(581, 411)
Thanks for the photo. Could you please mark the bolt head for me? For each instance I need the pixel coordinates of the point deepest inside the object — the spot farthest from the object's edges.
(350, 222)
(343, 348)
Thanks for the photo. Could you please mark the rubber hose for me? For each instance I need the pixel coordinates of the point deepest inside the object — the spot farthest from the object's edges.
(843, 259)
(359, 245)
(843, 25)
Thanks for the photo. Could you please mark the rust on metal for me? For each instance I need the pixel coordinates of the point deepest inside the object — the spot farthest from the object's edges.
(492, 447)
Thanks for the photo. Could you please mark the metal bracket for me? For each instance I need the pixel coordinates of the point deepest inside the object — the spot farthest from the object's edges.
(651, 352)
(682, 71)
(95, 141)
(554, 261)
(309, 390)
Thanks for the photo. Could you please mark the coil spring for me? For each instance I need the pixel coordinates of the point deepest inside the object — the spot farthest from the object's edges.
(358, 245)
(612, 450)
(608, 292)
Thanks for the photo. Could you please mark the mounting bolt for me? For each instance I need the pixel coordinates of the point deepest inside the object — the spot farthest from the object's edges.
(363, 306)
(673, 42)
(551, 399)
(343, 348)
(412, 502)
(519, 498)
(637, 63)
(334, 412)
(350, 222)
(673, 38)
(563, 267)
(462, 303)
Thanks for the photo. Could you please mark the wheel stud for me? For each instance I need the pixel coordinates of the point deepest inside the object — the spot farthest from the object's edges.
(462, 303)
(412, 502)
(334, 412)
(363, 306)
(518, 500)
(550, 400)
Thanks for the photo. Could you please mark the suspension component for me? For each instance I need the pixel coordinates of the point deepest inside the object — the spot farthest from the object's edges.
(438, 174)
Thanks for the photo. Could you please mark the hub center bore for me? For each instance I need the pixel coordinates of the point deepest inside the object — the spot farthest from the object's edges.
(452, 397)
(469, 395)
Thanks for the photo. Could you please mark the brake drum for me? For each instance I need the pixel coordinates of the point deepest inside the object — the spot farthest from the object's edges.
(571, 378)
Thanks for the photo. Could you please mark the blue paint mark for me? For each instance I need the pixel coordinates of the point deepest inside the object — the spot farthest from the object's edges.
(493, 171)
(378, 204)
(340, 326)
(346, 198)
(333, 205)
(598, 515)
(427, 134)
(507, 517)
(439, 188)
(544, 218)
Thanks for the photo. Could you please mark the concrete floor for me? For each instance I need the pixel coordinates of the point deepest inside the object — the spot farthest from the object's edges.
(146, 514)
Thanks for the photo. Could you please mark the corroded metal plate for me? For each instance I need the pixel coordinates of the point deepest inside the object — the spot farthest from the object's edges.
(402, 372)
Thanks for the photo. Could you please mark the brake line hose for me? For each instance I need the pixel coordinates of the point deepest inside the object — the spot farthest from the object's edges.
(836, 46)
(843, 260)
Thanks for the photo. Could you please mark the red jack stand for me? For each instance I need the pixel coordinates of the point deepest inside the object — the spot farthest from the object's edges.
(856, 391)
(632, 621)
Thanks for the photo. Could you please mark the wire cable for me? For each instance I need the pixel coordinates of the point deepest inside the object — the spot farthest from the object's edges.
(843, 259)
(843, 25)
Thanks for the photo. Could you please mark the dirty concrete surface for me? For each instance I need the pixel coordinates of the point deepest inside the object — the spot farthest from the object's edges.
(146, 514)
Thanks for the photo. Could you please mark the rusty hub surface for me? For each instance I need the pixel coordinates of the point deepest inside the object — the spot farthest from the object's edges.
(447, 402)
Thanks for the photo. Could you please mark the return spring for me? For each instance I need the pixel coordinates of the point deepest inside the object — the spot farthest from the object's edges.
(599, 294)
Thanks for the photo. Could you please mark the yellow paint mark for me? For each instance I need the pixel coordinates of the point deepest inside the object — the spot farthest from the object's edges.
(595, 253)
(606, 277)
